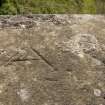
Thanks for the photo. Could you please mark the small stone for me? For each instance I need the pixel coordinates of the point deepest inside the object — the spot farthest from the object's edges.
(97, 92)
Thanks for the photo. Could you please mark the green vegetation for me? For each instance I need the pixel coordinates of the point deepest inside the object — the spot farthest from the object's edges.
(51, 6)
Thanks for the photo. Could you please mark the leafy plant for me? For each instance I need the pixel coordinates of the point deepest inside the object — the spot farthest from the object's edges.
(51, 6)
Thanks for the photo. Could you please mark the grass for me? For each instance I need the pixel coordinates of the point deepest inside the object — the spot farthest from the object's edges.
(52, 6)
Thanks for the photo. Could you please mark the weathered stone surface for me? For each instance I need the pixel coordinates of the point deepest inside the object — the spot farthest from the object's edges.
(52, 60)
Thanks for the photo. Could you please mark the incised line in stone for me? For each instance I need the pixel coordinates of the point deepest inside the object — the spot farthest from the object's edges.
(43, 58)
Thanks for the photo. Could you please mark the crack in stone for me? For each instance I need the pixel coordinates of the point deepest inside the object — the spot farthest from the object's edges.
(25, 59)
(12, 59)
(43, 58)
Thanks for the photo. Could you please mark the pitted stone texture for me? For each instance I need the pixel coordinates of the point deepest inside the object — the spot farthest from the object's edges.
(52, 60)
(82, 43)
